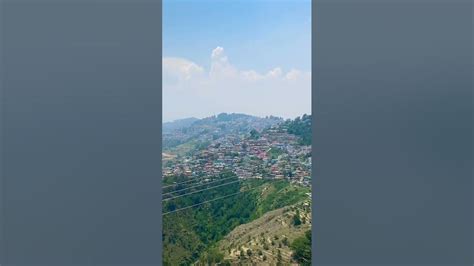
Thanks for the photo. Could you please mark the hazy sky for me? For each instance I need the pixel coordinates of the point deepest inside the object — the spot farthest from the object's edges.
(247, 56)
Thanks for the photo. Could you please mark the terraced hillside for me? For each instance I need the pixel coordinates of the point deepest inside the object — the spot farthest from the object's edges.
(267, 240)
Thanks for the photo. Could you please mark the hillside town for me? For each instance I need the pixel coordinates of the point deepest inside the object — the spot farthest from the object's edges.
(271, 153)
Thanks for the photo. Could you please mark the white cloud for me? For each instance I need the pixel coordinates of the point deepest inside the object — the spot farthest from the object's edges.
(275, 73)
(295, 74)
(218, 53)
(251, 75)
(220, 65)
(181, 68)
(190, 90)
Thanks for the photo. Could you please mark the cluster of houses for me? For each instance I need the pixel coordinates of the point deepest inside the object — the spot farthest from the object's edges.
(272, 154)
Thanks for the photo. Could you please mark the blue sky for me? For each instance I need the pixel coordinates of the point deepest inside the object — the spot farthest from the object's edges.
(256, 35)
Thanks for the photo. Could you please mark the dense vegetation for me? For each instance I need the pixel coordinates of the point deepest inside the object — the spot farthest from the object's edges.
(300, 127)
(189, 234)
(302, 249)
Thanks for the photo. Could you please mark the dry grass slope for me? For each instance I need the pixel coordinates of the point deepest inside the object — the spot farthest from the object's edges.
(267, 236)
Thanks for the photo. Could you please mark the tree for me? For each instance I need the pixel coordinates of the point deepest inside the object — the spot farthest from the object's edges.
(296, 219)
(254, 134)
(302, 249)
(249, 252)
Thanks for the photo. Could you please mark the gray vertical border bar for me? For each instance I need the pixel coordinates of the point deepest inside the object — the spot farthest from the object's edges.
(160, 144)
(392, 132)
(122, 213)
(2, 192)
(314, 161)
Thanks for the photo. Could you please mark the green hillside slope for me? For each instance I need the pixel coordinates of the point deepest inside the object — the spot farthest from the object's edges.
(189, 233)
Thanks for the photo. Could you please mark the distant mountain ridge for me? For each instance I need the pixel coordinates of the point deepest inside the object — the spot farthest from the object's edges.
(213, 127)
(222, 117)
(179, 123)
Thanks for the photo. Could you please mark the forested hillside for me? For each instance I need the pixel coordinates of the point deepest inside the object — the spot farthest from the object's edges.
(188, 233)
(301, 127)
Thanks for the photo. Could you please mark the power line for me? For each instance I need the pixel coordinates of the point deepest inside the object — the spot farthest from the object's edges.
(197, 191)
(184, 182)
(204, 202)
(195, 205)
(197, 186)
